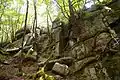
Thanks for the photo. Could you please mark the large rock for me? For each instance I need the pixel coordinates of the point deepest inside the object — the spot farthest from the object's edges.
(82, 63)
(102, 41)
(18, 43)
(60, 69)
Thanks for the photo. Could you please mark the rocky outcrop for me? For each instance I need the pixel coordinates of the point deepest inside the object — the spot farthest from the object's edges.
(60, 69)
(87, 55)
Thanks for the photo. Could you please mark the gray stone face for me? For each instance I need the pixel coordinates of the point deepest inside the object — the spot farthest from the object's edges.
(93, 73)
(60, 37)
(58, 77)
(56, 37)
(80, 64)
(101, 41)
(60, 69)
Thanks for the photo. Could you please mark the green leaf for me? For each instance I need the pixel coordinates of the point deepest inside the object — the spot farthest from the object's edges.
(41, 78)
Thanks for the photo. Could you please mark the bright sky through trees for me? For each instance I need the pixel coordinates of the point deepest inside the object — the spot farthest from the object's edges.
(41, 9)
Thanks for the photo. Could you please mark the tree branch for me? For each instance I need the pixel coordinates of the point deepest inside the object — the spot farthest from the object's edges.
(61, 9)
(25, 23)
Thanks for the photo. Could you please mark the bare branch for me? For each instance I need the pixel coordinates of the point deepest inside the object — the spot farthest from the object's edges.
(62, 10)
(65, 8)
(25, 23)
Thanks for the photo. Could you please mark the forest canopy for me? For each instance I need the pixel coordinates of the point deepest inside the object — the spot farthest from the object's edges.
(12, 13)
(59, 39)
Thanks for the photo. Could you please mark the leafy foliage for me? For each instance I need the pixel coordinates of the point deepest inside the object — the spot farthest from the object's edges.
(11, 19)
(41, 75)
